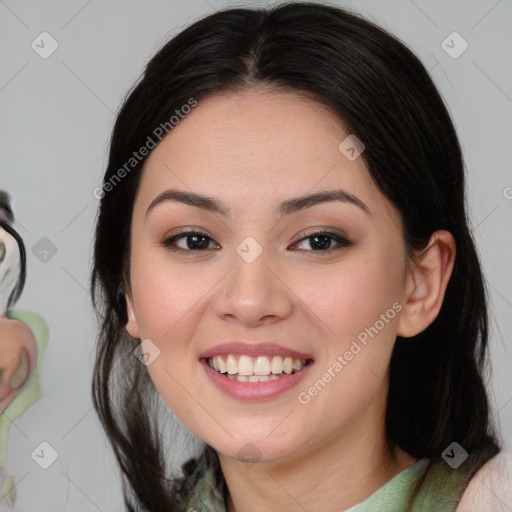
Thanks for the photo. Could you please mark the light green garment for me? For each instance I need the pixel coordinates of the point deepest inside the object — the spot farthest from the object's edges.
(440, 491)
(30, 393)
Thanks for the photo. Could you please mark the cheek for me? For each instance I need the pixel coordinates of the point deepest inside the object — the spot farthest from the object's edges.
(356, 305)
(165, 295)
(351, 296)
(168, 302)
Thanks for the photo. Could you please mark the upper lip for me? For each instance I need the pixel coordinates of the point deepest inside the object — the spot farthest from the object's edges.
(253, 349)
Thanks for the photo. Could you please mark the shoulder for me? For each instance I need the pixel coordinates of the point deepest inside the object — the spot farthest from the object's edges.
(21, 319)
(10, 327)
(490, 489)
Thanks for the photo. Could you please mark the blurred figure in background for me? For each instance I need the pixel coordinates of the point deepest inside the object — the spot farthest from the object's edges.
(23, 340)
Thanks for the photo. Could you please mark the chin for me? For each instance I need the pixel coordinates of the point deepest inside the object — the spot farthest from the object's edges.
(251, 450)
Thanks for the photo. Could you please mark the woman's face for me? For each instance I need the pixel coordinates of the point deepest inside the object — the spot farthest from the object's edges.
(256, 281)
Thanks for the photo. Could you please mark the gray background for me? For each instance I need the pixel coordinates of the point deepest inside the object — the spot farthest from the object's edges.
(57, 115)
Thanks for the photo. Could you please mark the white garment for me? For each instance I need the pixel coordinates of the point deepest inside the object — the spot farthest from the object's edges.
(490, 490)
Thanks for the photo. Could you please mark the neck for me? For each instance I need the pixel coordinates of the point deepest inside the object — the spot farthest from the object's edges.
(335, 476)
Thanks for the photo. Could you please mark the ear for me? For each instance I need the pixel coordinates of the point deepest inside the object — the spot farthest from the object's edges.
(131, 326)
(426, 282)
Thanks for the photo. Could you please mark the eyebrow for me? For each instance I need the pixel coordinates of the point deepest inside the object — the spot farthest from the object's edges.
(285, 208)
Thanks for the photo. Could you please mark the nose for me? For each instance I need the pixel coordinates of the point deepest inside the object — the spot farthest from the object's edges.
(252, 293)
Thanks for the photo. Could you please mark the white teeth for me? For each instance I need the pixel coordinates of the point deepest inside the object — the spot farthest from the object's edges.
(245, 366)
(231, 365)
(260, 369)
(258, 378)
(262, 366)
(277, 365)
(252, 378)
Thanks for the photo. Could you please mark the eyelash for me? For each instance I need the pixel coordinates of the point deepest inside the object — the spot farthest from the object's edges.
(342, 242)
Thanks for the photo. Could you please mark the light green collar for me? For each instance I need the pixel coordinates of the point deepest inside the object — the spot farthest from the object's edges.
(394, 494)
(440, 491)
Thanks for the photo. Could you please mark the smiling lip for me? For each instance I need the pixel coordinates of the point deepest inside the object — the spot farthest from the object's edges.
(254, 390)
(254, 350)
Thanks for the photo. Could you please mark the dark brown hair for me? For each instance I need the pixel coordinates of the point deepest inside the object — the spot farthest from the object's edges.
(6, 222)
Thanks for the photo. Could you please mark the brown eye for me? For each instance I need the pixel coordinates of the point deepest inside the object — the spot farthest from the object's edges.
(324, 241)
(194, 241)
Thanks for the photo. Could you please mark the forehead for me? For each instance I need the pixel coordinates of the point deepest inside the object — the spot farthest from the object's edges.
(255, 147)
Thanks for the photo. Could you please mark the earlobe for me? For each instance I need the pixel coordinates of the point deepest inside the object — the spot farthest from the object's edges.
(132, 327)
(426, 284)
